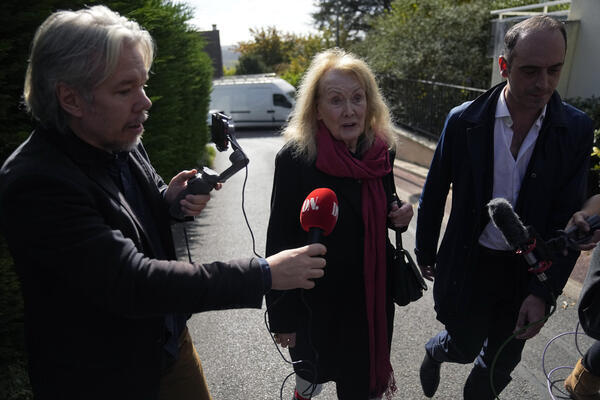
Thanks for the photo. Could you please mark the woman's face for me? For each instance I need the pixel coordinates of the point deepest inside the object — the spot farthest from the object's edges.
(342, 105)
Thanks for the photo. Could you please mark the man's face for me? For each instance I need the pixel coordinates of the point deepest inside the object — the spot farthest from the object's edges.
(534, 71)
(114, 119)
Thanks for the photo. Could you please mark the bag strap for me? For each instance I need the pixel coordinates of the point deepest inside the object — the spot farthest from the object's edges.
(390, 189)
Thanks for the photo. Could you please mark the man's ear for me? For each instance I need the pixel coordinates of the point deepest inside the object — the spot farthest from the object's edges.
(503, 66)
(69, 99)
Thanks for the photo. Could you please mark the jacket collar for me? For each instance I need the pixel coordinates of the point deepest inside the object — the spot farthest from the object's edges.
(94, 162)
(479, 111)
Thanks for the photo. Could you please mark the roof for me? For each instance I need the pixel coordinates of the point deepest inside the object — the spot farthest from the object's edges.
(244, 79)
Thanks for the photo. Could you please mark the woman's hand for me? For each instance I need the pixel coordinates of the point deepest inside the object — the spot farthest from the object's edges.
(285, 339)
(401, 216)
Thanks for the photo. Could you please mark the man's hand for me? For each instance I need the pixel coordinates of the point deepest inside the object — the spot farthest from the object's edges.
(295, 268)
(428, 272)
(285, 339)
(400, 216)
(578, 219)
(192, 204)
(533, 309)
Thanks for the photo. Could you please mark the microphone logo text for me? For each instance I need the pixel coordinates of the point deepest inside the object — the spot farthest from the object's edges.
(335, 210)
(310, 203)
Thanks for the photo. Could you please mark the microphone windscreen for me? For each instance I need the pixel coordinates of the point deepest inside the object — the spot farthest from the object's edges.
(508, 222)
(320, 210)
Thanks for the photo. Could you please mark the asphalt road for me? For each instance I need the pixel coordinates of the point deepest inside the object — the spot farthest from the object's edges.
(239, 358)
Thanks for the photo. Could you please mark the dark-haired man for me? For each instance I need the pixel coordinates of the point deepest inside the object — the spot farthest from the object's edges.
(518, 141)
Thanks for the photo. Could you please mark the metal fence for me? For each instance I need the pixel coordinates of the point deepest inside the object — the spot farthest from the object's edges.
(423, 105)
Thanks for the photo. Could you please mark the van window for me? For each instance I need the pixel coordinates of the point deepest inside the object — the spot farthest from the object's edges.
(281, 101)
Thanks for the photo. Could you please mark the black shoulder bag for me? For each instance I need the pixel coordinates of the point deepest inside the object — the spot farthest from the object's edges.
(407, 283)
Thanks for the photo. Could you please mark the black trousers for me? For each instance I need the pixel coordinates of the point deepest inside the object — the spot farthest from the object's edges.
(489, 319)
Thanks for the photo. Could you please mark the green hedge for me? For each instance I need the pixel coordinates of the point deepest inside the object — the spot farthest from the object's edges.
(591, 106)
(14, 381)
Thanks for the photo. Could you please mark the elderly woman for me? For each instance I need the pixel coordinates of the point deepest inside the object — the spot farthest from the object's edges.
(340, 137)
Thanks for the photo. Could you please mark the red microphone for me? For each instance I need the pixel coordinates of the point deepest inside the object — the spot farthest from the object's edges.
(319, 214)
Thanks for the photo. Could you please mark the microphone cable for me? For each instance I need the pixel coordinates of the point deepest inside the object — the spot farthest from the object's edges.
(548, 375)
(312, 368)
(513, 336)
(244, 212)
(185, 235)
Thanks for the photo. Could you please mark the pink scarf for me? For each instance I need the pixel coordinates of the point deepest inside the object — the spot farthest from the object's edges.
(334, 158)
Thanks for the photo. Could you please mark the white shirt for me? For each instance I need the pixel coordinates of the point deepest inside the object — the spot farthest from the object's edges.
(508, 172)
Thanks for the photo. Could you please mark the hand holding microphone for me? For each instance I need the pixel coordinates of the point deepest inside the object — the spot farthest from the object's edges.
(296, 268)
(582, 231)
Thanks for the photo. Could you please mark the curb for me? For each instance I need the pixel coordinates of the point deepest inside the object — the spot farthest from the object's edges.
(572, 289)
(412, 168)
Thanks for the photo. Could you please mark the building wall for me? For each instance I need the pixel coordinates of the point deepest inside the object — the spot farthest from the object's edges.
(583, 78)
(213, 49)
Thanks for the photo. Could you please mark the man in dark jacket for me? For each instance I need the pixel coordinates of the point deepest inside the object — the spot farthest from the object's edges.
(517, 141)
(86, 219)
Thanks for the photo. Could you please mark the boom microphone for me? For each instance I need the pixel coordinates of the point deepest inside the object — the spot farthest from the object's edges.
(319, 214)
(522, 240)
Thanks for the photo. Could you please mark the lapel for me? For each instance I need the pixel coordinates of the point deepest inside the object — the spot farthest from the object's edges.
(480, 117)
(141, 170)
(94, 163)
(99, 174)
(554, 123)
(480, 157)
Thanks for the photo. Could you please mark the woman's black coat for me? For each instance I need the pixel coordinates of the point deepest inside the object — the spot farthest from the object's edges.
(334, 311)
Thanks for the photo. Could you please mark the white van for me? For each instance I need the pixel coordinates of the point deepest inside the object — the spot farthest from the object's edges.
(261, 100)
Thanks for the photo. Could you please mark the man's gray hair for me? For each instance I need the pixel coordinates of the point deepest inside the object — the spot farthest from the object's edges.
(80, 49)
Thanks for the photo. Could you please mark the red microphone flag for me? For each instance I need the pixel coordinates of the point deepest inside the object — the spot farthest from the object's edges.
(320, 210)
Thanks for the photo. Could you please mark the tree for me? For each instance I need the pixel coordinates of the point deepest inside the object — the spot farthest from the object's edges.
(270, 46)
(348, 20)
(250, 64)
(442, 40)
(286, 54)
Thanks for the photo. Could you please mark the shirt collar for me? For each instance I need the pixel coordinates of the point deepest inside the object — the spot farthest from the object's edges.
(503, 113)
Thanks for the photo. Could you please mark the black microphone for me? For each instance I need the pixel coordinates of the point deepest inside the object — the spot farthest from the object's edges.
(523, 240)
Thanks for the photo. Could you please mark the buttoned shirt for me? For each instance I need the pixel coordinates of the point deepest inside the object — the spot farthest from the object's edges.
(508, 171)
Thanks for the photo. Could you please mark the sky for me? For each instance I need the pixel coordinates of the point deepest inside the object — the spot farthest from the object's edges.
(234, 18)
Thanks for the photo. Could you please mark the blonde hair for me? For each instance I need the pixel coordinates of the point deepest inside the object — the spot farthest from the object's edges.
(79, 48)
(303, 126)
